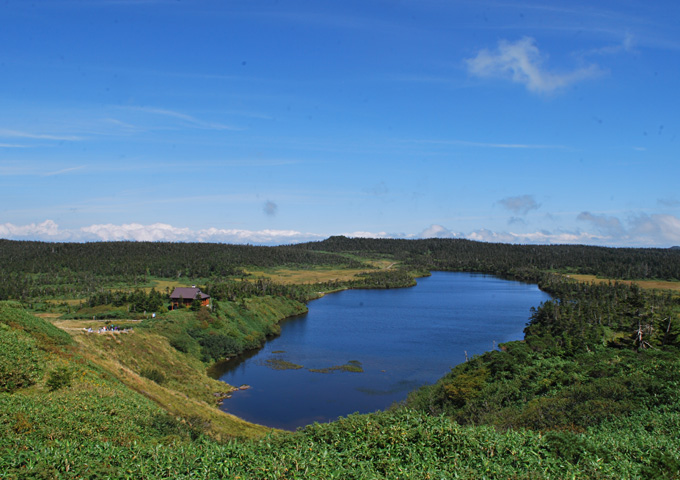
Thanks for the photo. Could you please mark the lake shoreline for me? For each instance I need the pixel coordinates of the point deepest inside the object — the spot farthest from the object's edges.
(382, 383)
(213, 371)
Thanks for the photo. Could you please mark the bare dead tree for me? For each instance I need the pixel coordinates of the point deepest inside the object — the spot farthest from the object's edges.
(639, 336)
(668, 330)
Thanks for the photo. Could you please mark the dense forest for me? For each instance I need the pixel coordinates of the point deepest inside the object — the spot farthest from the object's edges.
(513, 260)
(41, 269)
(53, 270)
(591, 391)
(160, 259)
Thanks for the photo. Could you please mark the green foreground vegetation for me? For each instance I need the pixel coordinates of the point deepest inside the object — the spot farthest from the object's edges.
(592, 392)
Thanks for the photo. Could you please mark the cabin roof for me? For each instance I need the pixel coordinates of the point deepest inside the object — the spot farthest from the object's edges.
(187, 293)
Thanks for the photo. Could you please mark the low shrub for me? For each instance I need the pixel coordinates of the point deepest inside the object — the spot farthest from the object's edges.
(154, 375)
(21, 362)
(59, 378)
(13, 315)
(182, 343)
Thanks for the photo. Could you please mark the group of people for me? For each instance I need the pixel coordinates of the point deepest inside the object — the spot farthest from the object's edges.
(109, 328)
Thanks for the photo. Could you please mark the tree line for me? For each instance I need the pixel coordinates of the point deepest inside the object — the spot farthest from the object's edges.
(136, 300)
(40, 269)
(159, 259)
(513, 260)
(237, 290)
(78, 270)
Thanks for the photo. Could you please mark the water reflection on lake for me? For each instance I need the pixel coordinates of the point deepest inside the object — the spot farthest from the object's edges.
(402, 338)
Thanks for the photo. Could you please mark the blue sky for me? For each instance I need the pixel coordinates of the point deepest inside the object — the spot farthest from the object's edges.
(272, 122)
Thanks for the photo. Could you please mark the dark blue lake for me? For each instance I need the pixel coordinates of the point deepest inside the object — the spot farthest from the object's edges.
(403, 338)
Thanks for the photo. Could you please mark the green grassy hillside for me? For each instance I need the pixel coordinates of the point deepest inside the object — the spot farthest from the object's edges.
(101, 387)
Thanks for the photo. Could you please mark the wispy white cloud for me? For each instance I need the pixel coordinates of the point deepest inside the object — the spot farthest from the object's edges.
(188, 120)
(63, 171)
(12, 145)
(331, 20)
(104, 3)
(669, 202)
(638, 231)
(6, 133)
(119, 126)
(516, 221)
(438, 231)
(12, 170)
(627, 45)
(467, 143)
(32, 170)
(523, 63)
(539, 238)
(47, 230)
(50, 231)
(165, 232)
(490, 236)
(655, 228)
(366, 234)
(608, 225)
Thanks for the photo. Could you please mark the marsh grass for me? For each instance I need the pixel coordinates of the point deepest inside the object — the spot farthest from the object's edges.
(646, 284)
(353, 366)
(318, 274)
(161, 284)
(280, 364)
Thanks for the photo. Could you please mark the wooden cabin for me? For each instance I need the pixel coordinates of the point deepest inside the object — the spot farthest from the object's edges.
(184, 297)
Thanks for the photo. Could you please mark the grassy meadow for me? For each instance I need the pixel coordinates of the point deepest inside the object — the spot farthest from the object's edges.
(318, 274)
(647, 284)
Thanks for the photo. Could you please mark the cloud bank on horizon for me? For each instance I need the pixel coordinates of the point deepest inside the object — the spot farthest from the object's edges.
(525, 122)
(640, 231)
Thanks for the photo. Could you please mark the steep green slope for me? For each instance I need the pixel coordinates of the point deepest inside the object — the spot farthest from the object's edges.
(62, 395)
(99, 387)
